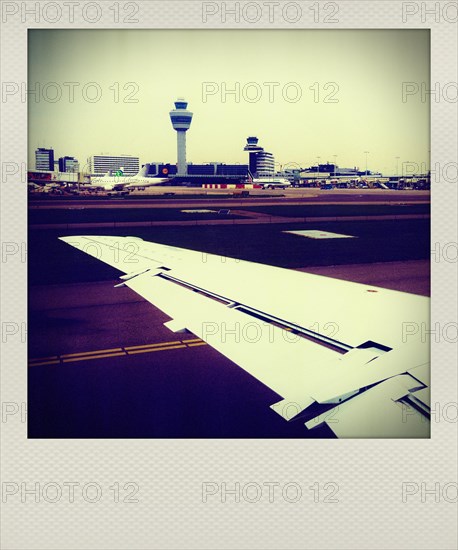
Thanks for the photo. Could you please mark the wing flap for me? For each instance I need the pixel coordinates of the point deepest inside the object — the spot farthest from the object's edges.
(361, 375)
(265, 351)
(376, 413)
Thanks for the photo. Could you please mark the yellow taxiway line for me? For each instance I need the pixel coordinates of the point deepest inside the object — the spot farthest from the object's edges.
(153, 345)
(149, 350)
(115, 352)
(85, 353)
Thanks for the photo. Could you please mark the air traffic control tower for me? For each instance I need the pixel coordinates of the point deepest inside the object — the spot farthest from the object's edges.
(181, 121)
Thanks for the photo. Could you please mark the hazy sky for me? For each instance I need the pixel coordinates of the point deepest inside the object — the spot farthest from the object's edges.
(361, 71)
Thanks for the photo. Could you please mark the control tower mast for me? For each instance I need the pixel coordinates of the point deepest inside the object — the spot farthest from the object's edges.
(181, 121)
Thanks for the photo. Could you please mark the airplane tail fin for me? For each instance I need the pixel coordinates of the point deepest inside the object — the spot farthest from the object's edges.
(143, 172)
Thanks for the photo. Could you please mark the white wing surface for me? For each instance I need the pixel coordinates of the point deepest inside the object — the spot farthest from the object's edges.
(317, 342)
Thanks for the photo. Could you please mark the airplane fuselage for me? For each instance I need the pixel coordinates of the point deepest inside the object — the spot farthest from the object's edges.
(271, 183)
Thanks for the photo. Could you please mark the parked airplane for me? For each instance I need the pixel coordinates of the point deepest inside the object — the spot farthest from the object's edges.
(337, 352)
(120, 182)
(272, 182)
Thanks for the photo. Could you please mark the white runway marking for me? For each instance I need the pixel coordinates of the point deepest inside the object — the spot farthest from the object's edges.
(316, 234)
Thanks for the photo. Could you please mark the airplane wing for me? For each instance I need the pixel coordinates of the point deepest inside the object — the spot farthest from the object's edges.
(349, 355)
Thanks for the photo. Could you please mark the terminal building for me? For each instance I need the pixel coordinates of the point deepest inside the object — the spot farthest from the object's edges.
(334, 170)
(99, 165)
(199, 174)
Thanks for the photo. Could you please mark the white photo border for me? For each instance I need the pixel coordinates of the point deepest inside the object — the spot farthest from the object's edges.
(391, 493)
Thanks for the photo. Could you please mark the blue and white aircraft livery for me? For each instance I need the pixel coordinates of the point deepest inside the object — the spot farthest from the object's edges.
(118, 181)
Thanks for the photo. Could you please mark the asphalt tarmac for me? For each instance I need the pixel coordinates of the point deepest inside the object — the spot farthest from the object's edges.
(186, 197)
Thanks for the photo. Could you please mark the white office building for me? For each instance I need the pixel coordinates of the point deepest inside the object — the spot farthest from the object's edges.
(99, 165)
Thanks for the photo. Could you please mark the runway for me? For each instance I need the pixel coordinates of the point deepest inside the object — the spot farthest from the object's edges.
(111, 214)
(185, 197)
